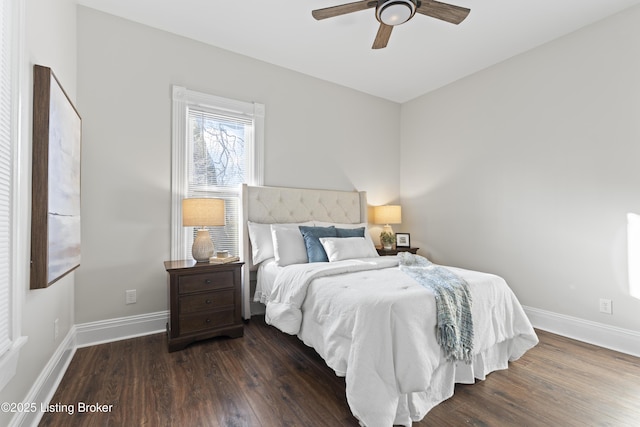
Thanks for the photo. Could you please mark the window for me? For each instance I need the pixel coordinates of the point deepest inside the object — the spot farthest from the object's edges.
(10, 340)
(217, 146)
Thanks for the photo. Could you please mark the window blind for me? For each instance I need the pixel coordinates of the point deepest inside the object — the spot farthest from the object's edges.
(217, 145)
(6, 172)
(217, 159)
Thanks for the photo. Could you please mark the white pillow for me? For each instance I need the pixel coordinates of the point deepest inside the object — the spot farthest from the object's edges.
(261, 241)
(288, 244)
(340, 248)
(367, 235)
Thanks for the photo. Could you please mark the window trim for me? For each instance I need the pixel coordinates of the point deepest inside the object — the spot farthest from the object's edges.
(182, 99)
(17, 276)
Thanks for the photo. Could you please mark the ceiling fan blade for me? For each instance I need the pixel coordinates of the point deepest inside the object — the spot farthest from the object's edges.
(443, 11)
(330, 12)
(382, 38)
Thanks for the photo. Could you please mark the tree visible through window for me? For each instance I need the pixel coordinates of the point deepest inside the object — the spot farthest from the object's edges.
(217, 146)
(218, 150)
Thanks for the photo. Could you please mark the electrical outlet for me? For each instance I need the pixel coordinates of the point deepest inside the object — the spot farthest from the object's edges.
(130, 297)
(56, 329)
(605, 306)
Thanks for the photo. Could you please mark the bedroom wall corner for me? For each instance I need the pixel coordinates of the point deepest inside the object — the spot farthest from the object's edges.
(528, 169)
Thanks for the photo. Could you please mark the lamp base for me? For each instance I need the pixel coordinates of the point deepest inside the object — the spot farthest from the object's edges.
(202, 248)
(387, 230)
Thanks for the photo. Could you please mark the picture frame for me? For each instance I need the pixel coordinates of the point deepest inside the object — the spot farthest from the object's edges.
(55, 195)
(403, 240)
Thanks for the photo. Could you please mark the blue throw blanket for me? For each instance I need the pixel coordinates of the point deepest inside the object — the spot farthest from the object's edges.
(453, 304)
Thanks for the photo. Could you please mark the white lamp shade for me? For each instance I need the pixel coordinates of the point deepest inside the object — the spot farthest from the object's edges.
(387, 214)
(203, 212)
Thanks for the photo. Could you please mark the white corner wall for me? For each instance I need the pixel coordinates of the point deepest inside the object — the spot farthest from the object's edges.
(529, 168)
(317, 135)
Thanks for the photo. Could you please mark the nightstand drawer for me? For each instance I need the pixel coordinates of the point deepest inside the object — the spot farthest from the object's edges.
(206, 301)
(205, 321)
(205, 281)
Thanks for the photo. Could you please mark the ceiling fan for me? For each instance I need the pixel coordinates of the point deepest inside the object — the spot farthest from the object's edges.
(395, 12)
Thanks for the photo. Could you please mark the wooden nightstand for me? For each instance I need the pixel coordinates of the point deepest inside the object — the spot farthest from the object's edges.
(205, 301)
(394, 251)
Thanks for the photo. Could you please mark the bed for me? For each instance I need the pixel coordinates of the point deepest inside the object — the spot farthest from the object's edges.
(366, 316)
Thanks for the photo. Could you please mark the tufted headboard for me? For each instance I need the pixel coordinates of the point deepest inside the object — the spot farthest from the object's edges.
(272, 205)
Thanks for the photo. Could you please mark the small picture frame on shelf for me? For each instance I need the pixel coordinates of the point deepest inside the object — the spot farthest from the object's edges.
(403, 240)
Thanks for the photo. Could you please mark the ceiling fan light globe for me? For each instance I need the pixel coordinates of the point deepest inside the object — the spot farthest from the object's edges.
(395, 12)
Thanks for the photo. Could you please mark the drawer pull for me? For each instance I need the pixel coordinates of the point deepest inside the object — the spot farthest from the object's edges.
(207, 281)
(208, 320)
(208, 301)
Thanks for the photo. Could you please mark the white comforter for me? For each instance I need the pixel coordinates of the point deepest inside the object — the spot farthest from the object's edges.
(376, 326)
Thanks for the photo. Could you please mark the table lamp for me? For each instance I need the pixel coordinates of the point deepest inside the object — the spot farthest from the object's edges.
(387, 214)
(201, 213)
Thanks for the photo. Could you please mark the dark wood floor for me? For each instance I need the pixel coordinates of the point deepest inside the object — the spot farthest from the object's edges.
(268, 379)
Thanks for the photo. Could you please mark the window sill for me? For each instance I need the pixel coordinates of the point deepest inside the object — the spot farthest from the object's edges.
(9, 361)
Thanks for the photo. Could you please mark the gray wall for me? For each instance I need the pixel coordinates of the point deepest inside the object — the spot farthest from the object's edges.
(317, 134)
(49, 38)
(529, 168)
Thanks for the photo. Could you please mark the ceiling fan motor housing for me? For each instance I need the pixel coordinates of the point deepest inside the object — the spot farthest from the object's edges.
(395, 12)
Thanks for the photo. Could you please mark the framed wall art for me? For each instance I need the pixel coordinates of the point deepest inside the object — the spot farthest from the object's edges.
(403, 240)
(55, 197)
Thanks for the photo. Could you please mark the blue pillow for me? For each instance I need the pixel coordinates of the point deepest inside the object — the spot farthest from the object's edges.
(350, 232)
(311, 236)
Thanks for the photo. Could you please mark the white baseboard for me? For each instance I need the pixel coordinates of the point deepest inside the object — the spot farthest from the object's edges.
(121, 328)
(611, 337)
(47, 382)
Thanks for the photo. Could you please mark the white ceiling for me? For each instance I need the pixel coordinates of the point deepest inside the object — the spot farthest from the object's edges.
(422, 54)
